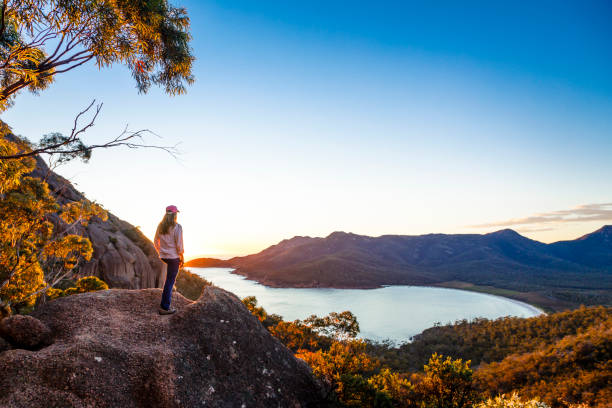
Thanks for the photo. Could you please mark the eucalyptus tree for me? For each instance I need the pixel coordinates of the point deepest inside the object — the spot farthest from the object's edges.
(40, 39)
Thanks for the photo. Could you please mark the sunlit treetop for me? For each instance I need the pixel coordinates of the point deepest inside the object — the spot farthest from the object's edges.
(42, 38)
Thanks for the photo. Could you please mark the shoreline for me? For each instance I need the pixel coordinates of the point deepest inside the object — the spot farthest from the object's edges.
(482, 290)
(532, 306)
(529, 306)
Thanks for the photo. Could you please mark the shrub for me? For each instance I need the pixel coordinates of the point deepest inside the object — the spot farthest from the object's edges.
(190, 285)
(85, 284)
(511, 402)
(447, 384)
(396, 386)
(90, 284)
(259, 312)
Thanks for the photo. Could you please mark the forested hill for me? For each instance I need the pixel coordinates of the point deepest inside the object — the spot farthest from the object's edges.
(485, 341)
(569, 272)
(559, 358)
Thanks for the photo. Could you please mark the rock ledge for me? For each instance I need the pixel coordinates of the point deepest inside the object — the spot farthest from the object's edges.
(112, 349)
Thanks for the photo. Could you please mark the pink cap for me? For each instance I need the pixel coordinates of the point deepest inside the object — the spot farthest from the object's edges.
(172, 209)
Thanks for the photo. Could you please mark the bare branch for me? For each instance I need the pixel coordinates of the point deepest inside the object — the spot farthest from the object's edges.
(56, 147)
(127, 138)
(59, 45)
(84, 60)
(83, 112)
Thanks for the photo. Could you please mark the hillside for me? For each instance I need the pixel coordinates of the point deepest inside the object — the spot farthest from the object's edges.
(561, 358)
(576, 369)
(485, 341)
(123, 257)
(554, 276)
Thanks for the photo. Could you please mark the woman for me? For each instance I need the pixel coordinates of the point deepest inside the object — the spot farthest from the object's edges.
(169, 245)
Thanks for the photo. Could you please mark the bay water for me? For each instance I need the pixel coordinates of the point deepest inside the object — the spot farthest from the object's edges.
(395, 313)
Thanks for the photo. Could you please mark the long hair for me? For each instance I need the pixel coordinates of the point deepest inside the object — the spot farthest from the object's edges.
(166, 223)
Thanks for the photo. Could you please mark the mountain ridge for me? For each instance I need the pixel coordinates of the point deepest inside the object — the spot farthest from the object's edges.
(502, 259)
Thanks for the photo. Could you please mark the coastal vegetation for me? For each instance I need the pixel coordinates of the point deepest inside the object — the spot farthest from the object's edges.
(485, 341)
(84, 284)
(557, 360)
(189, 284)
(577, 368)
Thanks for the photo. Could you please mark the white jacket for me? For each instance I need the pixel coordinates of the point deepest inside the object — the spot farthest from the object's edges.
(170, 245)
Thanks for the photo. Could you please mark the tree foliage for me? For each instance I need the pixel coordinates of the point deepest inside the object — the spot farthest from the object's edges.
(42, 38)
(513, 401)
(341, 326)
(576, 369)
(483, 341)
(396, 386)
(343, 368)
(342, 358)
(84, 284)
(36, 249)
(561, 360)
(355, 378)
(298, 336)
(251, 303)
(447, 384)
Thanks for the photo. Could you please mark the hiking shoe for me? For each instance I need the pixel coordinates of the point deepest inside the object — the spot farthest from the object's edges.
(166, 312)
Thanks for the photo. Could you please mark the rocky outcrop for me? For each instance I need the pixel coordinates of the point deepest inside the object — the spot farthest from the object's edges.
(123, 257)
(112, 349)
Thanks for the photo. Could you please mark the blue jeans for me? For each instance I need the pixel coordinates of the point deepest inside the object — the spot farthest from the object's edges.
(172, 271)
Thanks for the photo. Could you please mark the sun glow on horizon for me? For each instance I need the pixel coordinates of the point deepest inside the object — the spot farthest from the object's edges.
(373, 122)
(545, 235)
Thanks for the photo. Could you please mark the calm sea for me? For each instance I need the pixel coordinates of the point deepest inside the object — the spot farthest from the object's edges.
(394, 312)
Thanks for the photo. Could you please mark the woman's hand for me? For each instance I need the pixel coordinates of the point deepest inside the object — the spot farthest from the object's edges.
(182, 261)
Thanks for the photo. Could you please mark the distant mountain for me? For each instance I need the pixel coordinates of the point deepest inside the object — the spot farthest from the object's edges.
(593, 250)
(207, 263)
(502, 259)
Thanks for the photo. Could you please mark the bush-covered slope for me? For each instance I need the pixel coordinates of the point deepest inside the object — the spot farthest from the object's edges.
(576, 369)
(564, 360)
(483, 341)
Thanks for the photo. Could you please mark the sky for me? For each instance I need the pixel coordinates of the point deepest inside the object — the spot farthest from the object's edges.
(371, 117)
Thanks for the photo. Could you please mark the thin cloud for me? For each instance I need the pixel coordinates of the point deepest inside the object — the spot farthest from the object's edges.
(582, 213)
(526, 230)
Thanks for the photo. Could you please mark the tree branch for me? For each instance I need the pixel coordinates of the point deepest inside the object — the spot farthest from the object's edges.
(126, 138)
(2, 16)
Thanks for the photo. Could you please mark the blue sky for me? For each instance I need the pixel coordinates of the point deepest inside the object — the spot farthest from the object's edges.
(369, 117)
